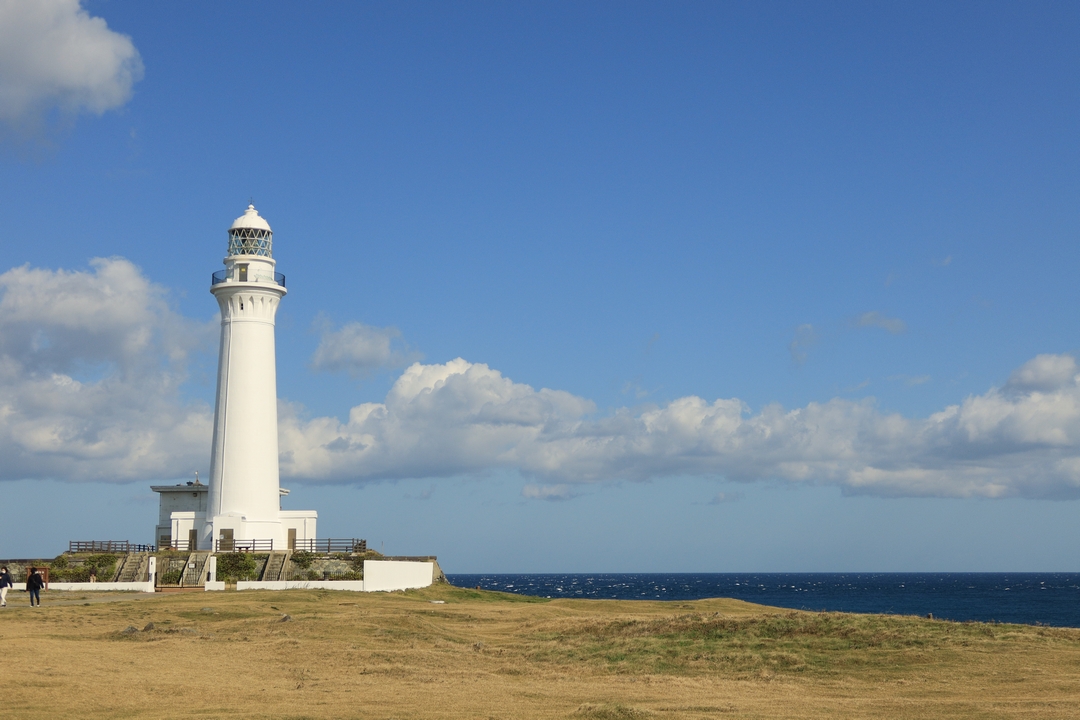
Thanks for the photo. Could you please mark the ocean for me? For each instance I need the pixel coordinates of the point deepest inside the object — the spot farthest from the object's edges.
(1027, 598)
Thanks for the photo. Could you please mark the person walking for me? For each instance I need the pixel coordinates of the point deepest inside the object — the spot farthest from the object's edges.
(34, 583)
(5, 583)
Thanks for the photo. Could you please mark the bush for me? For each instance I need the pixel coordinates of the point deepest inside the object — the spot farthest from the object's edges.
(171, 577)
(236, 566)
(357, 560)
(303, 559)
(62, 569)
(104, 565)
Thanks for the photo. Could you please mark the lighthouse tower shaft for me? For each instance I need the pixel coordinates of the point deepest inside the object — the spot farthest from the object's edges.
(244, 494)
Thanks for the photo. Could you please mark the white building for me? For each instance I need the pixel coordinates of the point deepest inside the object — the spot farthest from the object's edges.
(241, 506)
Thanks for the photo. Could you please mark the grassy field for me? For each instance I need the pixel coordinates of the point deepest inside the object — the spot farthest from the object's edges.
(319, 654)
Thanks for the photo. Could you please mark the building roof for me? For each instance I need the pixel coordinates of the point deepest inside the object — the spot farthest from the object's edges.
(180, 487)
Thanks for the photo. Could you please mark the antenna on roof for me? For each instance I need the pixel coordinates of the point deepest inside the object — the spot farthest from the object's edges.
(197, 477)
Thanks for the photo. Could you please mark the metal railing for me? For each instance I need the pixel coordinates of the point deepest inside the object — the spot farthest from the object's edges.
(222, 276)
(331, 545)
(224, 545)
(180, 545)
(107, 546)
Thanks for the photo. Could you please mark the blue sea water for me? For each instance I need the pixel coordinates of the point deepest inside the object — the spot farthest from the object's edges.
(1028, 598)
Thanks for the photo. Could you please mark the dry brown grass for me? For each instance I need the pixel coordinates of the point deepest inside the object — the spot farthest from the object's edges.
(489, 655)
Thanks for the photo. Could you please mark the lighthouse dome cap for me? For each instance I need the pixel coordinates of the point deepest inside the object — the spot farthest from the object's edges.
(250, 219)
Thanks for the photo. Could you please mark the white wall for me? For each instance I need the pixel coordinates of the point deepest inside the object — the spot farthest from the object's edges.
(379, 576)
(353, 585)
(95, 587)
(388, 575)
(303, 521)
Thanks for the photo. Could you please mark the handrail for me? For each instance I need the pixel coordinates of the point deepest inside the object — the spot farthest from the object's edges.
(107, 546)
(331, 545)
(243, 545)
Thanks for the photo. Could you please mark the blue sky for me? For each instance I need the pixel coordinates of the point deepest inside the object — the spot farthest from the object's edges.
(761, 287)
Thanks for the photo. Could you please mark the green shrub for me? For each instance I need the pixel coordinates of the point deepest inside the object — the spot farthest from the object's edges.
(62, 569)
(357, 560)
(104, 565)
(171, 577)
(236, 566)
(303, 559)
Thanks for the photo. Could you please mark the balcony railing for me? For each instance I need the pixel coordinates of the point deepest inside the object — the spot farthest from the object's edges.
(331, 545)
(222, 276)
(226, 545)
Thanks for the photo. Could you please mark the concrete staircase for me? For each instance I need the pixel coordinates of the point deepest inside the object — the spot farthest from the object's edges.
(135, 567)
(275, 566)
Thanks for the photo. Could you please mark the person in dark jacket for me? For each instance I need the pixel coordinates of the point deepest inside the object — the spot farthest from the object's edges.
(34, 583)
(5, 583)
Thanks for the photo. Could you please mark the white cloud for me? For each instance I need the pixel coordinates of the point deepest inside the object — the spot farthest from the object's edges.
(725, 498)
(91, 363)
(55, 56)
(799, 347)
(911, 380)
(460, 417)
(893, 326)
(561, 491)
(437, 420)
(359, 349)
(90, 369)
(1044, 373)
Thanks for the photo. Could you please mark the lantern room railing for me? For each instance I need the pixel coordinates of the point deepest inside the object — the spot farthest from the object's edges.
(221, 276)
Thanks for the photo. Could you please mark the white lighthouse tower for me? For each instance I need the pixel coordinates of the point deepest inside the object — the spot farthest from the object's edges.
(244, 498)
(240, 509)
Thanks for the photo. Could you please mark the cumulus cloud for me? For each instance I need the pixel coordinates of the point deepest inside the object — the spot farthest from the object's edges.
(55, 56)
(359, 349)
(461, 417)
(1044, 373)
(893, 326)
(437, 420)
(91, 363)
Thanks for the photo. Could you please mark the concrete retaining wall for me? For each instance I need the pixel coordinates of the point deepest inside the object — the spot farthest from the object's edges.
(353, 585)
(95, 587)
(379, 576)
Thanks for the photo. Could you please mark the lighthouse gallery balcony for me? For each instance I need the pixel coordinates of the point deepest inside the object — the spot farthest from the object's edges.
(222, 276)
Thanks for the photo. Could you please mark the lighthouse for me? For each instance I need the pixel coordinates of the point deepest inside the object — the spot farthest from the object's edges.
(240, 509)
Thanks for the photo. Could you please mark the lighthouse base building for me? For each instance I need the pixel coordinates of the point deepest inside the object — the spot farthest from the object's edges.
(182, 524)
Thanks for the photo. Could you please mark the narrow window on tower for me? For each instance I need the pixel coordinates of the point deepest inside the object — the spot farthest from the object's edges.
(243, 272)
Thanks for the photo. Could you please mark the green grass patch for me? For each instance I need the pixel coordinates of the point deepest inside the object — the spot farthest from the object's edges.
(796, 642)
